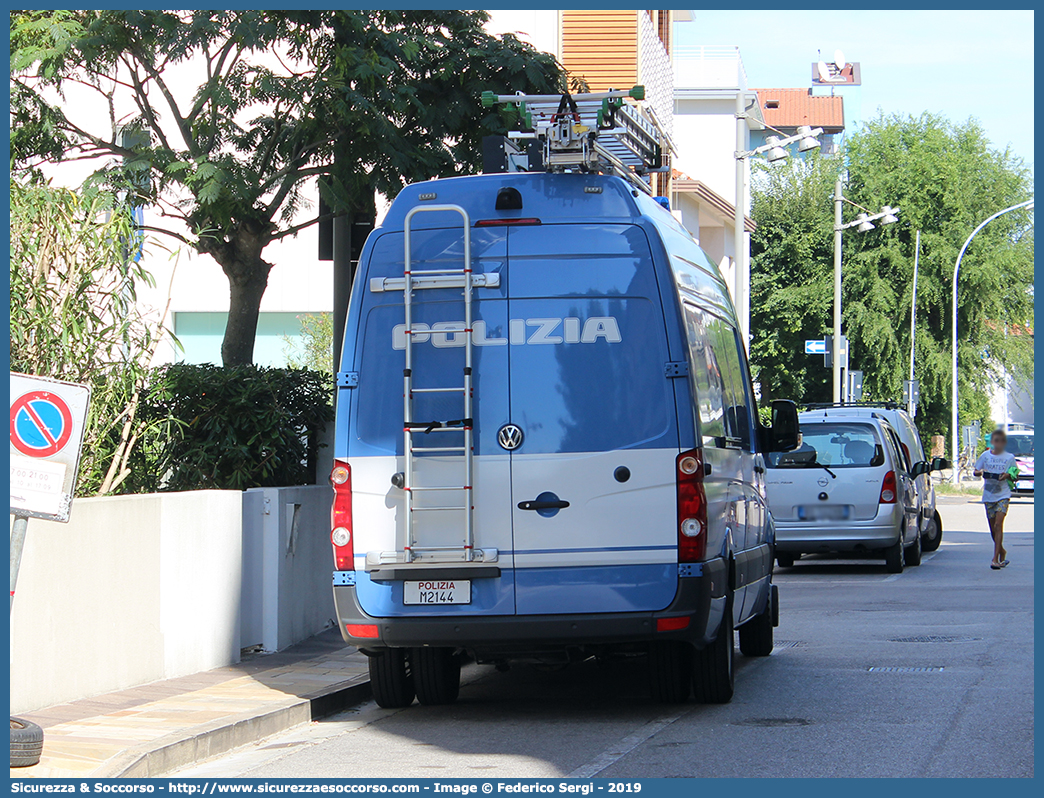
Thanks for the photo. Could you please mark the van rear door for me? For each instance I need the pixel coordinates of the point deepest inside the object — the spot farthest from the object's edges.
(375, 428)
(593, 494)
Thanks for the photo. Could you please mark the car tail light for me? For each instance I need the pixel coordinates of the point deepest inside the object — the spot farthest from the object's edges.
(692, 507)
(888, 489)
(341, 517)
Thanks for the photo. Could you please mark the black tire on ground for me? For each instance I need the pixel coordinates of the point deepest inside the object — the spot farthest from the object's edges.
(713, 673)
(786, 560)
(895, 556)
(755, 636)
(670, 671)
(933, 532)
(436, 675)
(26, 743)
(912, 554)
(391, 679)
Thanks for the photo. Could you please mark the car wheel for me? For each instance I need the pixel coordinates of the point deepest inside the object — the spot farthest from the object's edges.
(670, 671)
(713, 673)
(755, 636)
(894, 556)
(912, 555)
(391, 679)
(26, 743)
(786, 560)
(933, 533)
(436, 675)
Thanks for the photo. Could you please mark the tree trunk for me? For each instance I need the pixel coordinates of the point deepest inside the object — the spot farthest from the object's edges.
(237, 347)
(239, 255)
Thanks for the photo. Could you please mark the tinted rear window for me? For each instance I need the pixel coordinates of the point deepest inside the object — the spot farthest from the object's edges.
(833, 445)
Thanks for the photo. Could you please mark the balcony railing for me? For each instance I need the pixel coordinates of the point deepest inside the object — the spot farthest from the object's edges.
(709, 67)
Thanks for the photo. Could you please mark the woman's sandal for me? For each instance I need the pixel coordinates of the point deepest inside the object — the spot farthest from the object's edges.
(1004, 563)
(995, 567)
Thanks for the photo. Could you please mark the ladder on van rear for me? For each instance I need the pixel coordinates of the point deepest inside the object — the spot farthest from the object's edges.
(418, 431)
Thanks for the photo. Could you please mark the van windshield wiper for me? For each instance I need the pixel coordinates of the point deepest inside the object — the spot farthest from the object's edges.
(824, 468)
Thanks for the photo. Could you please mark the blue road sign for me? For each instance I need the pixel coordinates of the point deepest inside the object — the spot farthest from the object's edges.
(815, 347)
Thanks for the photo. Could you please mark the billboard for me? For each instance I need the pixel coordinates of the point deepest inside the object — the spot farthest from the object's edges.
(833, 74)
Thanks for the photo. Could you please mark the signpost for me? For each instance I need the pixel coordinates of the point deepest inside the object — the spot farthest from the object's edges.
(47, 422)
(815, 347)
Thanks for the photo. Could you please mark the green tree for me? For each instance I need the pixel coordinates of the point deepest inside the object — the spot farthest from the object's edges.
(316, 342)
(74, 316)
(946, 178)
(233, 113)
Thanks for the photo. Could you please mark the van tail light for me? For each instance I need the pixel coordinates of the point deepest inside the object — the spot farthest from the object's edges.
(341, 517)
(692, 507)
(888, 489)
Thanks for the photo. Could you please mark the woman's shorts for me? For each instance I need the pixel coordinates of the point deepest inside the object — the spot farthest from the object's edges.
(992, 508)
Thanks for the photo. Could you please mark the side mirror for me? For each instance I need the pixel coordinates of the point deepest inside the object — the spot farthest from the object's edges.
(783, 435)
(920, 469)
(940, 464)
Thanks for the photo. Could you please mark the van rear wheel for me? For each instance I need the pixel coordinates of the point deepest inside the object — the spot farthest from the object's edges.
(713, 673)
(786, 560)
(756, 635)
(436, 675)
(670, 671)
(390, 679)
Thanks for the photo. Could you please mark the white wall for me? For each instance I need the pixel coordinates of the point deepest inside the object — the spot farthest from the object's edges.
(539, 27)
(132, 590)
(705, 135)
(287, 592)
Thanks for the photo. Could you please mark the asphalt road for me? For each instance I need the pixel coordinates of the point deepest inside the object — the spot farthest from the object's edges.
(814, 708)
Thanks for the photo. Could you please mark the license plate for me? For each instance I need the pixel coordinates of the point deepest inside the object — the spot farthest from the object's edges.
(456, 591)
(829, 512)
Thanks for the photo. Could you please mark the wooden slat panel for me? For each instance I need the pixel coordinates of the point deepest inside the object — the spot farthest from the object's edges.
(601, 46)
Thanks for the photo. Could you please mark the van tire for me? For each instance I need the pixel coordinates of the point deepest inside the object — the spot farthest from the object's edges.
(436, 675)
(713, 673)
(786, 560)
(913, 552)
(895, 557)
(26, 743)
(933, 532)
(391, 679)
(756, 635)
(670, 671)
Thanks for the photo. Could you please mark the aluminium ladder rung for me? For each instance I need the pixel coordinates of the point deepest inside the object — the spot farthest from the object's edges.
(441, 330)
(415, 272)
(438, 548)
(438, 449)
(428, 509)
(426, 431)
(441, 487)
(436, 390)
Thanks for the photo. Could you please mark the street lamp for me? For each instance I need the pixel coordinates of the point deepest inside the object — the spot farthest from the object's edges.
(953, 339)
(774, 149)
(863, 222)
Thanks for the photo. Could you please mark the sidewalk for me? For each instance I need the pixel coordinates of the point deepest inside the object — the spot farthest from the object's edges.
(153, 729)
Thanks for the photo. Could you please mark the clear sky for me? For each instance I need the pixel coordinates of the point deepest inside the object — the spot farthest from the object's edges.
(958, 63)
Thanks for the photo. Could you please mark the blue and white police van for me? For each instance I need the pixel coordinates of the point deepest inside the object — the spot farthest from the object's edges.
(547, 446)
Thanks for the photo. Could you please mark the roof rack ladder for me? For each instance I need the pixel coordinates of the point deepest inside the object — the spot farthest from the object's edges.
(465, 424)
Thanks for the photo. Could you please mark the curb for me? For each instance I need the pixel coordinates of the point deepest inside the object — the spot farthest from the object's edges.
(199, 743)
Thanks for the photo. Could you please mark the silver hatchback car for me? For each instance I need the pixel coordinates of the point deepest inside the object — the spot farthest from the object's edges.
(849, 486)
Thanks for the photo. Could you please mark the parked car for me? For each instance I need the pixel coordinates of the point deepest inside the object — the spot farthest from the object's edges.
(1020, 444)
(848, 487)
(577, 468)
(928, 518)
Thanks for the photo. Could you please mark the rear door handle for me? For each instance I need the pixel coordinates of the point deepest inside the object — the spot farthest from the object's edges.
(535, 505)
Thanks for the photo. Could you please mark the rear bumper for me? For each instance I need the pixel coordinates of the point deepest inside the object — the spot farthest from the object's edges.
(872, 534)
(700, 598)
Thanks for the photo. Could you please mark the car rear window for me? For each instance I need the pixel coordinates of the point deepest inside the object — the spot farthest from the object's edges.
(1020, 445)
(833, 445)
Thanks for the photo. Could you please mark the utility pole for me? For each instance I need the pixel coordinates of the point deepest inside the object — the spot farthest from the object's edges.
(911, 408)
(838, 200)
(740, 277)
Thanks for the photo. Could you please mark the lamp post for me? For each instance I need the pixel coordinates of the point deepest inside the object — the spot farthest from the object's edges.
(863, 222)
(953, 337)
(775, 149)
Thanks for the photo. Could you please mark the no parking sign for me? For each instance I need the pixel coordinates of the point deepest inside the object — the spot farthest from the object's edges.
(47, 423)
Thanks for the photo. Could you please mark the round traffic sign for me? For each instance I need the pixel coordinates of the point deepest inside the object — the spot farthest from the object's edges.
(41, 424)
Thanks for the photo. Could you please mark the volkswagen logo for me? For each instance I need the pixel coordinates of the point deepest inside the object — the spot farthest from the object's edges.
(510, 437)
